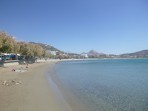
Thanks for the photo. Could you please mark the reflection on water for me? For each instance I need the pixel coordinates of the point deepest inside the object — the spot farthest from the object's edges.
(108, 85)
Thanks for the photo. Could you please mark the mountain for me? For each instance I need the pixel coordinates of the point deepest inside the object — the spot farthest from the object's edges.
(95, 54)
(47, 47)
(139, 54)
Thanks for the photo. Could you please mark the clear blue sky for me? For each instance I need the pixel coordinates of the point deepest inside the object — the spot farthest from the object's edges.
(109, 26)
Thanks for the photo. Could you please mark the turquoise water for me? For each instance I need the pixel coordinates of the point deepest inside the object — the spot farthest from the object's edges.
(108, 84)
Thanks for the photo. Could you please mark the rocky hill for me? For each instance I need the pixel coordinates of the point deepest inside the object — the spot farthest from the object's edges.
(47, 47)
(139, 54)
(95, 54)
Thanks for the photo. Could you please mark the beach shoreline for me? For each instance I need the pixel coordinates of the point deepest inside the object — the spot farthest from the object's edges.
(65, 92)
(29, 90)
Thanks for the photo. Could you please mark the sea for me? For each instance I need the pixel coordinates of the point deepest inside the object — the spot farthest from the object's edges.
(107, 84)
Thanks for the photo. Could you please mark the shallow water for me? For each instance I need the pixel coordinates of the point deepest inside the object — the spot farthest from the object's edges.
(107, 84)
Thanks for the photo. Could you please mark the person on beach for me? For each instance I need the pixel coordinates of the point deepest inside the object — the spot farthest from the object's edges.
(27, 66)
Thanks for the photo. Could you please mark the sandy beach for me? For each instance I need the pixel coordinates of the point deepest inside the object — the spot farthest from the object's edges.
(29, 90)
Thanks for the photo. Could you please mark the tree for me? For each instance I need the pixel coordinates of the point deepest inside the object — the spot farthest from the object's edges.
(9, 45)
(6, 43)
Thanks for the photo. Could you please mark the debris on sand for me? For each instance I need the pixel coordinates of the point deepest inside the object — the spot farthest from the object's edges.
(10, 83)
(21, 69)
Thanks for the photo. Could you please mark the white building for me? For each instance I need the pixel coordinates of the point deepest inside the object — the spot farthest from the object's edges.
(85, 55)
(53, 52)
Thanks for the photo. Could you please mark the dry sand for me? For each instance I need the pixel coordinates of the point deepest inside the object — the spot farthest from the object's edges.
(29, 90)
